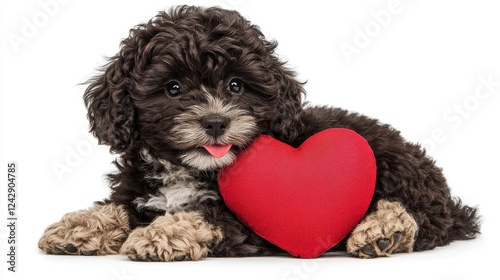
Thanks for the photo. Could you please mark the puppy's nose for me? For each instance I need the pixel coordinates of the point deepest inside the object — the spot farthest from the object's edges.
(215, 125)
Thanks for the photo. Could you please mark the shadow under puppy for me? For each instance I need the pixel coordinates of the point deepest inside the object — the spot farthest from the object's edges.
(186, 93)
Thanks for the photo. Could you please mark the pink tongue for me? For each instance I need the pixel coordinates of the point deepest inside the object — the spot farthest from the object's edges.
(217, 151)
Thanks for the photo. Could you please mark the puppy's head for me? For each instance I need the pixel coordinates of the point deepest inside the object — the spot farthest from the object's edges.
(193, 86)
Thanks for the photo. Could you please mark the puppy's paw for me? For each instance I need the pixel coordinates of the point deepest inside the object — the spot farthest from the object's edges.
(182, 236)
(100, 230)
(388, 230)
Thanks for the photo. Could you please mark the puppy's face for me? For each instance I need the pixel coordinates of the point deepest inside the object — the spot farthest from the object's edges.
(201, 125)
(193, 86)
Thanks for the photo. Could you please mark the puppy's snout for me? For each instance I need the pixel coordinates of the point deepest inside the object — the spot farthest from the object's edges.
(215, 125)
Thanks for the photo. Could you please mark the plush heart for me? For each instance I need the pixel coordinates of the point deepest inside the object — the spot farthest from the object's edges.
(304, 200)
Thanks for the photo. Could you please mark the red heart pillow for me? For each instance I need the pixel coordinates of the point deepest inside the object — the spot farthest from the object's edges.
(304, 200)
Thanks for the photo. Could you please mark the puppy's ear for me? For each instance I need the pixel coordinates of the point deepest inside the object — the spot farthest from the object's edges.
(107, 98)
(286, 121)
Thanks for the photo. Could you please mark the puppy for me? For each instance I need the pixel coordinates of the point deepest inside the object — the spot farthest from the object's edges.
(186, 93)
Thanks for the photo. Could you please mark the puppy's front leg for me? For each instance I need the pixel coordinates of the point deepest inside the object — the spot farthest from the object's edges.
(172, 237)
(100, 230)
(389, 229)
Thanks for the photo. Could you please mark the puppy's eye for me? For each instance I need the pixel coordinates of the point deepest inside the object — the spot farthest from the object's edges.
(173, 89)
(236, 86)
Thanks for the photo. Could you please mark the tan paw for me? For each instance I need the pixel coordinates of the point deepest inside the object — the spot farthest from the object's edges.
(388, 230)
(182, 236)
(100, 230)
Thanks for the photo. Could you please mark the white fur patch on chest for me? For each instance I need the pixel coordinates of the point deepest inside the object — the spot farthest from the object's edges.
(180, 188)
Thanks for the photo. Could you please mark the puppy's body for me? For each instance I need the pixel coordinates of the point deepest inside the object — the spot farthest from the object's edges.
(187, 92)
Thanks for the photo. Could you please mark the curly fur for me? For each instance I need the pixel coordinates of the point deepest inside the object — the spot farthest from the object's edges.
(390, 226)
(162, 167)
(170, 237)
(100, 230)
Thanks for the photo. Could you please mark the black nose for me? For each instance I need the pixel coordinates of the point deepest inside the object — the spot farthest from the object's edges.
(215, 125)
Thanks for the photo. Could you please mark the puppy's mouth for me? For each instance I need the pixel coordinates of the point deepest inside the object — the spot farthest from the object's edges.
(218, 151)
(211, 156)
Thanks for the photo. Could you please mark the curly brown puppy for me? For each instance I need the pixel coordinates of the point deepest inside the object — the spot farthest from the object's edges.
(187, 92)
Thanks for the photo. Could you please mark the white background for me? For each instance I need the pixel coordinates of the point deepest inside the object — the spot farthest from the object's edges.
(415, 70)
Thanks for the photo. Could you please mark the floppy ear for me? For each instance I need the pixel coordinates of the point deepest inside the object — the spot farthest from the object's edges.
(286, 121)
(107, 98)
